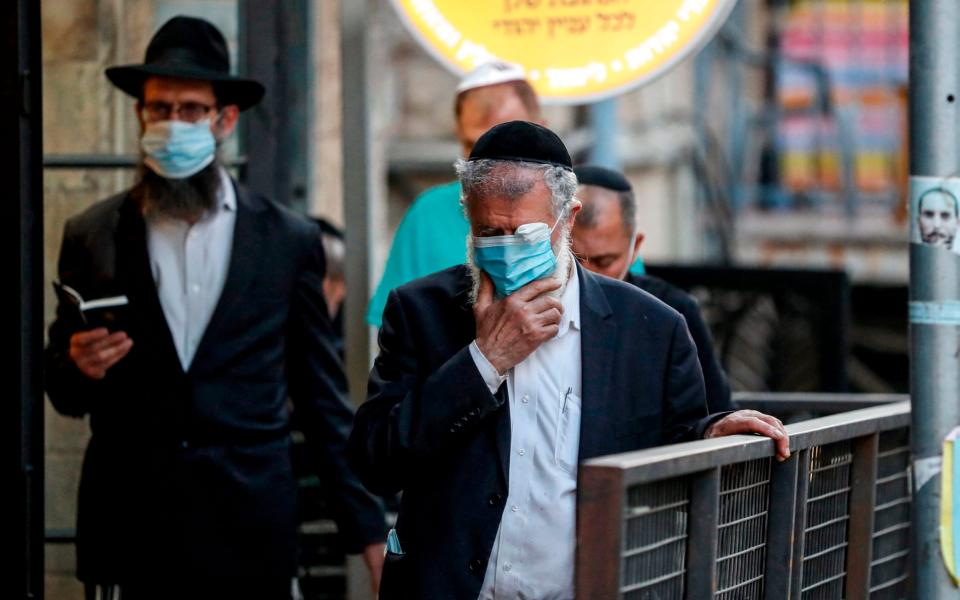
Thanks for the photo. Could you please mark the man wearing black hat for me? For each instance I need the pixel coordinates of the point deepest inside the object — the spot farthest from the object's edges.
(187, 489)
(496, 378)
(606, 240)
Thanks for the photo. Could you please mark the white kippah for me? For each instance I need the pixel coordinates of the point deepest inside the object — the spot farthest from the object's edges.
(491, 73)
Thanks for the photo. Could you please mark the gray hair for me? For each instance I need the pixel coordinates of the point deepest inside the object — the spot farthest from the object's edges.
(513, 179)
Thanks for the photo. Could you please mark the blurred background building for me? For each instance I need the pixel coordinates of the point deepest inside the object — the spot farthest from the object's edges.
(780, 146)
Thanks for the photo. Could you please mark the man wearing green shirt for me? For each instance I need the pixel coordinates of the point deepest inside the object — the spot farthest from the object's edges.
(432, 235)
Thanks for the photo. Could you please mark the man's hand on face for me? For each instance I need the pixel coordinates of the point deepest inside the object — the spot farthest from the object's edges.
(751, 421)
(95, 351)
(509, 330)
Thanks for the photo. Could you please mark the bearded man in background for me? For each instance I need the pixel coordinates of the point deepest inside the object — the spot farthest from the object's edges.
(187, 488)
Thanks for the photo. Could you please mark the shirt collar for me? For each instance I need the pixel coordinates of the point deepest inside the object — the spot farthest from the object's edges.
(570, 299)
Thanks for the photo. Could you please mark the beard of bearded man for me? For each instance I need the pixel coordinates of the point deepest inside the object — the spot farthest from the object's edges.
(187, 199)
(562, 273)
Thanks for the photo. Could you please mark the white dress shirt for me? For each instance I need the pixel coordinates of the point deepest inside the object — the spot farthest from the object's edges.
(533, 554)
(189, 265)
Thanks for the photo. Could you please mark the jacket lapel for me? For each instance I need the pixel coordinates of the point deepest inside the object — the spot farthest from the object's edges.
(245, 256)
(135, 273)
(597, 335)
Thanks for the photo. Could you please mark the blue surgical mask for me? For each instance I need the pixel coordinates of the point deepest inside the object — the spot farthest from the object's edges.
(513, 261)
(176, 150)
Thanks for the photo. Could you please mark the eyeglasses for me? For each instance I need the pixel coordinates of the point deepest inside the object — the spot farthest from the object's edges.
(191, 112)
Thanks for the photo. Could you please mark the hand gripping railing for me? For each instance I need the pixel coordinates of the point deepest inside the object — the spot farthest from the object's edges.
(722, 519)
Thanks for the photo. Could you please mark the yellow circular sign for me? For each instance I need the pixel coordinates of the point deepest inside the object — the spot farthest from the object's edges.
(574, 51)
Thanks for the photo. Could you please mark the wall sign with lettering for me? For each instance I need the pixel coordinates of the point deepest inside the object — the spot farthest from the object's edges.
(574, 51)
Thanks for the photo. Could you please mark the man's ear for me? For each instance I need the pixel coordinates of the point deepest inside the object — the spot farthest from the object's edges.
(575, 206)
(226, 121)
(637, 241)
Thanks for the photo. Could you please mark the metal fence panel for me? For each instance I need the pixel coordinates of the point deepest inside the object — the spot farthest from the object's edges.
(654, 548)
(719, 518)
(741, 543)
(825, 534)
(891, 527)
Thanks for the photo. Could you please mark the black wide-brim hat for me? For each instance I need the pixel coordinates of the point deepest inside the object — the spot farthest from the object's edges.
(189, 48)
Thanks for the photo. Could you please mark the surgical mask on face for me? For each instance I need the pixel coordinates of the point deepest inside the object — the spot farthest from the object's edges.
(513, 261)
(176, 149)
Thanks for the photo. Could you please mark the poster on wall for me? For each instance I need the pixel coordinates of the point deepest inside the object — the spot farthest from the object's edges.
(573, 51)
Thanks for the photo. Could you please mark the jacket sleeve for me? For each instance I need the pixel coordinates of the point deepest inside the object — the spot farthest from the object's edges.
(715, 380)
(71, 392)
(318, 390)
(685, 411)
(411, 417)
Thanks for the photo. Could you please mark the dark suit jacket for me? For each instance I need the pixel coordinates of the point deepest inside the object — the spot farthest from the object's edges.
(189, 474)
(431, 428)
(718, 388)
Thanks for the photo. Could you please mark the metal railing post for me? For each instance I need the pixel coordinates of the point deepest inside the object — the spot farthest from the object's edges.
(934, 277)
(780, 529)
(799, 524)
(863, 496)
(702, 537)
(599, 528)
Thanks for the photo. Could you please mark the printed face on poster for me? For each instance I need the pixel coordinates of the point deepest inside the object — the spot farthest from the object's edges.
(935, 211)
(573, 51)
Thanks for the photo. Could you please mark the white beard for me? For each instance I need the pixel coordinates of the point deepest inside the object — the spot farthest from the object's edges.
(562, 273)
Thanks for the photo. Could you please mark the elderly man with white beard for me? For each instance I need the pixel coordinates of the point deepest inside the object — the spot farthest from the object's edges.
(496, 378)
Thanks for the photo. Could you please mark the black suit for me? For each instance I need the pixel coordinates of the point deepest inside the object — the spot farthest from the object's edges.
(189, 474)
(718, 388)
(431, 428)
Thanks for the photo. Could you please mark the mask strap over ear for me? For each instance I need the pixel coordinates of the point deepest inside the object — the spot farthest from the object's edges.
(217, 124)
(563, 212)
(632, 256)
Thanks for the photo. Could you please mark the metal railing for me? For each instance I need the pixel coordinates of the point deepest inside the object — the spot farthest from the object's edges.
(720, 518)
(792, 407)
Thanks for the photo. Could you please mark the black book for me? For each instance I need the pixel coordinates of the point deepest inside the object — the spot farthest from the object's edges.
(100, 312)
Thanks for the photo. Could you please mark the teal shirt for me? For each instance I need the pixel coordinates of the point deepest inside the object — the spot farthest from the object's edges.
(431, 237)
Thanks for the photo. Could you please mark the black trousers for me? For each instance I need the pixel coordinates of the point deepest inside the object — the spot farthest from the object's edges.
(232, 589)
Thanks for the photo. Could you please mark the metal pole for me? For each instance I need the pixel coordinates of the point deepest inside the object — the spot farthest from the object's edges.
(22, 415)
(934, 278)
(358, 190)
(358, 193)
(273, 50)
(603, 121)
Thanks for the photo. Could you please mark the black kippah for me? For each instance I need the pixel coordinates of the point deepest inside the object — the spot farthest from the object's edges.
(602, 177)
(522, 141)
